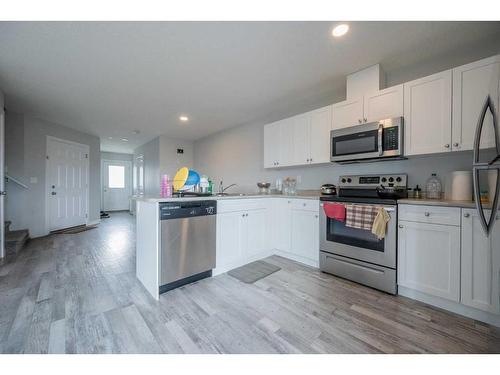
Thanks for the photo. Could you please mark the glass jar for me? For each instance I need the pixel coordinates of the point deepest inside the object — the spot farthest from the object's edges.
(434, 187)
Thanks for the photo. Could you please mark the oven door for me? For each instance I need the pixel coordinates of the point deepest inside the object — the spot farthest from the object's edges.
(359, 244)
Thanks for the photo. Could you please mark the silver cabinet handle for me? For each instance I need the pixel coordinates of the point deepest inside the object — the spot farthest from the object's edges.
(365, 119)
(456, 144)
(447, 145)
(310, 159)
(316, 216)
(360, 121)
(400, 226)
(466, 214)
(427, 214)
(304, 204)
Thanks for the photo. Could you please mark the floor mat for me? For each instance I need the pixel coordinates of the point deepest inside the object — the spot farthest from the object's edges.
(252, 272)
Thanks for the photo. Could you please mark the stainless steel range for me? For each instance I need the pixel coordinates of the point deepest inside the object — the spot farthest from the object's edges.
(357, 254)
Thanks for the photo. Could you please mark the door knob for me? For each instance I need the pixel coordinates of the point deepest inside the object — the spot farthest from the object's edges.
(400, 226)
(53, 193)
(447, 145)
(456, 144)
(466, 215)
(427, 214)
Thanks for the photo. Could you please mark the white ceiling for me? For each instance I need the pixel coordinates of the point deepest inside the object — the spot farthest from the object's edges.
(109, 78)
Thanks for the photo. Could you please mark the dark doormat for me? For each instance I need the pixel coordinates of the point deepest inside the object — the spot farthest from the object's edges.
(252, 272)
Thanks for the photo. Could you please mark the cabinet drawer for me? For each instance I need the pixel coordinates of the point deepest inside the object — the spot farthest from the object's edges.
(430, 214)
(232, 205)
(305, 204)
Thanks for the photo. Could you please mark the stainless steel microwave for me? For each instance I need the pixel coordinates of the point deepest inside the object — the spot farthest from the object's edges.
(368, 142)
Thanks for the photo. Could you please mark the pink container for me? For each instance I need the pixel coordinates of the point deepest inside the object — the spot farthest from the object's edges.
(165, 187)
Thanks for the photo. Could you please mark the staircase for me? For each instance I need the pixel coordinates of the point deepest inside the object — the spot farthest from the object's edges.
(15, 239)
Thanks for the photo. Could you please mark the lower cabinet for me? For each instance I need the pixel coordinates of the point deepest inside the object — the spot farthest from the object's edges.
(429, 258)
(305, 235)
(480, 264)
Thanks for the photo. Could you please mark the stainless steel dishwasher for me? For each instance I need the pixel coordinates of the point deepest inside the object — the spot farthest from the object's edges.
(188, 231)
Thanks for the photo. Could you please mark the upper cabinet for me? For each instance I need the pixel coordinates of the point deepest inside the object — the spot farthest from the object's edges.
(427, 113)
(471, 84)
(379, 105)
(299, 140)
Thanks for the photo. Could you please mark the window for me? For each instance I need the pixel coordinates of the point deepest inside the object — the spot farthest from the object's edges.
(116, 176)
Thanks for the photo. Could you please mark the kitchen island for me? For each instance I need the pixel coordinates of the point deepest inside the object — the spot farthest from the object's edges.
(248, 228)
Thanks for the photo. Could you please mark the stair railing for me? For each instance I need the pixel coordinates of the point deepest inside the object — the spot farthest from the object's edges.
(10, 178)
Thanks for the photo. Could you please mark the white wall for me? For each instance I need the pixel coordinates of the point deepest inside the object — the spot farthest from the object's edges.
(151, 153)
(116, 156)
(26, 208)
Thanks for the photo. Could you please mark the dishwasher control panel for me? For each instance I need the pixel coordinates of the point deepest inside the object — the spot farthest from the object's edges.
(179, 210)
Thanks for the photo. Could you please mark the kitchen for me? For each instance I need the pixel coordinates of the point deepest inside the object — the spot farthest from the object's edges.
(437, 246)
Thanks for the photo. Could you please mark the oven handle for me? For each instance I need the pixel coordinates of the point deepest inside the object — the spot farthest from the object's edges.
(380, 130)
(353, 204)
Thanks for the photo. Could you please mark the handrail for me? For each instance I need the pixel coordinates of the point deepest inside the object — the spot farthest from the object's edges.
(10, 178)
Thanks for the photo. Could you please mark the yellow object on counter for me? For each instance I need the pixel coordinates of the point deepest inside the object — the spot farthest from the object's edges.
(379, 227)
(180, 178)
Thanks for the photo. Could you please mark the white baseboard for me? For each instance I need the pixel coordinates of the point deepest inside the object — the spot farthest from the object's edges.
(452, 306)
(94, 222)
(297, 258)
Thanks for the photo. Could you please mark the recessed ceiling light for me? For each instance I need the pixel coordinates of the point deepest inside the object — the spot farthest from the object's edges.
(183, 118)
(340, 30)
(124, 139)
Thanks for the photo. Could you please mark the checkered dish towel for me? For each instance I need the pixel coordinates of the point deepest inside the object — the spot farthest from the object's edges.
(360, 216)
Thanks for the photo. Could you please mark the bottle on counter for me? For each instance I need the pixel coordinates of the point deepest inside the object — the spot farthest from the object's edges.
(165, 187)
(417, 192)
(433, 187)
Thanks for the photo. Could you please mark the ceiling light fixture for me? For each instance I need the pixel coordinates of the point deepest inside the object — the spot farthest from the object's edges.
(183, 118)
(124, 139)
(340, 30)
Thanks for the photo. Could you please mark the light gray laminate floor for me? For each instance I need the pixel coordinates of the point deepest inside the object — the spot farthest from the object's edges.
(77, 293)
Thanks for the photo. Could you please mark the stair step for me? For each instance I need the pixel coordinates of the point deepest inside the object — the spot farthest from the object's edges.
(15, 240)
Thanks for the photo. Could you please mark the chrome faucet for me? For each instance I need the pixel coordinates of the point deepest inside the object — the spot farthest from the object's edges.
(222, 189)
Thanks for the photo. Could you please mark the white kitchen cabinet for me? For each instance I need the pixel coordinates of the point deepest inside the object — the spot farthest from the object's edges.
(301, 141)
(229, 240)
(271, 144)
(429, 258)
(480, 264)
(319, 135)
(471, 84)
(286, 143)
(347, 113)
(305, 235)
(383, 104)
(281, 224)
(427, 113)
(256, 233)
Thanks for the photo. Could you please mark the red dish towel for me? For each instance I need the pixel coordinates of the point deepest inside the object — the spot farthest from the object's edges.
(360, 216)
(334, 211)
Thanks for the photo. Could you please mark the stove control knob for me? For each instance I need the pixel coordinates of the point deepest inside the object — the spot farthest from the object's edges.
(384, 179)
(349, 180)
(343, 180)
(398, 179)
(391, 179)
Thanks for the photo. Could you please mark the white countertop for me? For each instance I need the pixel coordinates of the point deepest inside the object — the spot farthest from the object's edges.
(156, 199)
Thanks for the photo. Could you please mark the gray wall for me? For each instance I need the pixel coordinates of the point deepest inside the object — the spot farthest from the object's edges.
(160, 157)
(236, 155)
(26, 208)
(116, 156)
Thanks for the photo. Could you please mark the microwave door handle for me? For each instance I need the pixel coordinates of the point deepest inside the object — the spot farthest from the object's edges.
(380, 131)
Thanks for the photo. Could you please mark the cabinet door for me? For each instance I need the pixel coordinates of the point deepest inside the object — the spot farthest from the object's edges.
(301, 143)
(282, 224)
(271, 145)
(383, 104)
(429, 258)
(286, 143)
(305, 234)
(319, 135)
(471, 84)
(229, 239)
(480, 264)
(427, 112)
(255, 235)
(347, 113)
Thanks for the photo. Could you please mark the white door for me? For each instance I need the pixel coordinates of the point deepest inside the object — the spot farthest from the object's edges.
(427, 112)
(116, 185)
(305, 237)
(271, 145)
(480, 264)
(319, 135)
(347, 113)
(429, 258)
(300, 130)
(67, 183)
(471, 84)
(383, 104)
